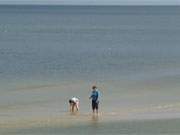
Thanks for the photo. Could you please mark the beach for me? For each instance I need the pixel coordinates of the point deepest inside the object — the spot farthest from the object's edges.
(49, 113)
(49, 54)
(88, 124)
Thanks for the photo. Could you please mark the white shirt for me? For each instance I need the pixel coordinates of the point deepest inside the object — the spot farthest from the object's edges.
(75, 99)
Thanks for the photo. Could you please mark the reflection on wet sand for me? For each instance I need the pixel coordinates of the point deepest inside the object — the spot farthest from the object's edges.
(95, 121)
(74, 113)
(95, 118)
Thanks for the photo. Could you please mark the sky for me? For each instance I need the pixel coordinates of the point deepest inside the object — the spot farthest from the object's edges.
(93, 2)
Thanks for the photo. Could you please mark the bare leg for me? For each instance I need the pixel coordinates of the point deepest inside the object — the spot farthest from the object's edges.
(70, 108)
(73, 108)
(76, 108)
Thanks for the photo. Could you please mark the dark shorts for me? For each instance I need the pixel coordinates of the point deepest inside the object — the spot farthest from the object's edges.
(95, 104)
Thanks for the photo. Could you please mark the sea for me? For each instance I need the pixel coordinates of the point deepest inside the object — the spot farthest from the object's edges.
(49, 54)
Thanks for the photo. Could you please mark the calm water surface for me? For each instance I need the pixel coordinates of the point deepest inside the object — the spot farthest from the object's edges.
(50, 53)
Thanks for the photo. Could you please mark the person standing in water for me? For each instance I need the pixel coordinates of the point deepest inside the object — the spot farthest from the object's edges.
(95, 99)
(74, 103)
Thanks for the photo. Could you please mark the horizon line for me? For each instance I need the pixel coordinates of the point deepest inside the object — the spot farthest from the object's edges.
(45, 4)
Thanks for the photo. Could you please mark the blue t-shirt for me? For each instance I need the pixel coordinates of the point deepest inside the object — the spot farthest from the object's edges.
(95, 95)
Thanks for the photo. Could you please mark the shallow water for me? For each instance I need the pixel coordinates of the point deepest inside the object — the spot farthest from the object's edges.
(94, 126)
(49, 54)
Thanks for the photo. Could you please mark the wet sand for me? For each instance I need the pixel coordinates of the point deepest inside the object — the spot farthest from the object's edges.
(43, 109)
(88, 124)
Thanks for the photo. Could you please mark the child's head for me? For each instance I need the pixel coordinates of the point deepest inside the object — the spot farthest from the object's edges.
(94, 87)
(70, 101)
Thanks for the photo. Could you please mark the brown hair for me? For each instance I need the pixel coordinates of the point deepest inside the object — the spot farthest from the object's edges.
(94, 87)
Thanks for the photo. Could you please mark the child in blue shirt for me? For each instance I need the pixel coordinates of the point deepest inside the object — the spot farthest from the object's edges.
(95, 99)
